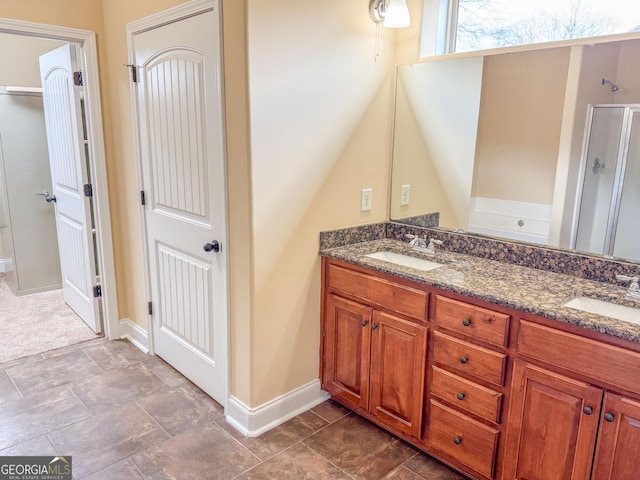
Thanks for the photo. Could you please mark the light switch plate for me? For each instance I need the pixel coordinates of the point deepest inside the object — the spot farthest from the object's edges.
(366, 199)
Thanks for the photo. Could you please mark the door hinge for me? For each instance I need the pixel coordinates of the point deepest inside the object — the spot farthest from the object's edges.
(143, 200)
(97, 291)
(77, 79)
(150, 308)
(134, 72)
(88, 190)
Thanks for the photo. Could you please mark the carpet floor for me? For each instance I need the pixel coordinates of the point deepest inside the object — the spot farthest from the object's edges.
(36, 323)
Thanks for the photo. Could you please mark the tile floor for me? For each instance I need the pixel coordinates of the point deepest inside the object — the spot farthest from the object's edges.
(125, 415)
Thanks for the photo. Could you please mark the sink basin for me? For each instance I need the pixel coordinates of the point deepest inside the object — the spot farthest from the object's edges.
(607, 309)
(405, 260)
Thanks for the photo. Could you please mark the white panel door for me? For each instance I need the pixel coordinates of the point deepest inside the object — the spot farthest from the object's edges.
(63, 120)
(181, 146)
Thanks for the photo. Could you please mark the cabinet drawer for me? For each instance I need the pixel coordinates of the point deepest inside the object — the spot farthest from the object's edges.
(487, 325)
(471, 443)
(399, 298)
(466, 395)
(462, 356)
(596, 360)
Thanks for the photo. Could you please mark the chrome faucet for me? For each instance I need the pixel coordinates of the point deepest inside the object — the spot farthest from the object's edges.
(431, 248)
(634, 289)
(417, 243)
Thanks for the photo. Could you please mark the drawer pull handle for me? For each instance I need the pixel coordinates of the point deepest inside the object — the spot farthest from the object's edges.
(466, 322)
(461, 396)
(457, 440)
(364, 323)
(464, 360)
(587, 410)
(609, 417)
(374, 326)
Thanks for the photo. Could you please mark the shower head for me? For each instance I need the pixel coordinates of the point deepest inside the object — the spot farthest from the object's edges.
(614, 87)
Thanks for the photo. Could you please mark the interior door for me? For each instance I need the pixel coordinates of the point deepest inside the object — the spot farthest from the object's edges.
(63, 120)
(181, 146)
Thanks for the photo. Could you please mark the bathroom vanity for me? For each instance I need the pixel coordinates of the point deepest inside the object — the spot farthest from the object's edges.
(480, 363)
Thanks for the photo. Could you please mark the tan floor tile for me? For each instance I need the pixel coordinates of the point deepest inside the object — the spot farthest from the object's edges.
(52, 372)
(298, 462)
(331, 411)
(430, 468)
(281, 437)
(8, 390)
(205, 452)
(98, 442)
(32, 416)
(178, 410)
(360, 448)
(116, 354)
(165, 372)
(402, 473)
(34, 447)
(114, 388)
(123, 470)
(71, 348)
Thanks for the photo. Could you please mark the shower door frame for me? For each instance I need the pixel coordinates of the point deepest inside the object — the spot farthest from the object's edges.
(618, 179)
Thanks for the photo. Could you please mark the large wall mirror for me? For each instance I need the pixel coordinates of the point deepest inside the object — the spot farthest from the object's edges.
(535, 145)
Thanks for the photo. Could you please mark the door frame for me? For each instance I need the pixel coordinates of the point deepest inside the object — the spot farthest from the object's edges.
(88, 62)
(159, 19)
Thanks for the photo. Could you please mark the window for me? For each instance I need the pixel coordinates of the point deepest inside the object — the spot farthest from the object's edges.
(485, 24)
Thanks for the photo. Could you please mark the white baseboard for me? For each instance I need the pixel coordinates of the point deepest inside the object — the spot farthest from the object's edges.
(135, 334)
(252, 422)
(5, 265)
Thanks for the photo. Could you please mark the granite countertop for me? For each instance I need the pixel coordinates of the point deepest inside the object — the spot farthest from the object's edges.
(526, 289)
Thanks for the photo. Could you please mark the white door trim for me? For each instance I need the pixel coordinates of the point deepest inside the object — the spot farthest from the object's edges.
(159, 19)
(88, 59)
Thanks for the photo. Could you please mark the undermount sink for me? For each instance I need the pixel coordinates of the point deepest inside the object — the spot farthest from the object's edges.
(607, 309)
(405, 260)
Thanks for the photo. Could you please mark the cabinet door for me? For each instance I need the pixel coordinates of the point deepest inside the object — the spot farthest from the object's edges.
(347, 338)
(618, 448)
(552, 426)
(398, 355)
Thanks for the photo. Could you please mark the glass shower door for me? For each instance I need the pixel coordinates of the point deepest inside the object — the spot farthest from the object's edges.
(627, 230)
(603, 152)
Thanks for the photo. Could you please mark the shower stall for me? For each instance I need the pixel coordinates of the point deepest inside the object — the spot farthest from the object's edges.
(608, 202)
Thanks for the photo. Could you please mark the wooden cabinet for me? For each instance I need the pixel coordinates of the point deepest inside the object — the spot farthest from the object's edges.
(557, 422)
(374, 360)
(507, 398)
(618, 450)
(552, 426)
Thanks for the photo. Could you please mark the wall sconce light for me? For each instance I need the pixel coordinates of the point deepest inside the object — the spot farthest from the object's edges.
(393, 13)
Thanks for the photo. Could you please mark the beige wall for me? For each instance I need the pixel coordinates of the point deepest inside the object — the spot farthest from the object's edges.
(22, 54)
(320, 125)
(628, 74)
(519, 127)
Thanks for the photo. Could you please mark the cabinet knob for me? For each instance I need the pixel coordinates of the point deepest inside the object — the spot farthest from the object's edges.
(609, 417)
(374, 326)
(587, 410)
(466, 322)
(464, 360)
(461, 396)
(364, 323)
(457, 440)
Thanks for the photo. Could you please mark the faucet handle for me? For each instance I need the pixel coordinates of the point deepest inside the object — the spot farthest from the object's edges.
(634, 287)
(437, 242)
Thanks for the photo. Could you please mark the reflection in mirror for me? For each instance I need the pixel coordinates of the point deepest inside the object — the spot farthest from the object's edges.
(507, 145)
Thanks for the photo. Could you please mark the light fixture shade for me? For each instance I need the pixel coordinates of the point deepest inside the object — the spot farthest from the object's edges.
(397, 15)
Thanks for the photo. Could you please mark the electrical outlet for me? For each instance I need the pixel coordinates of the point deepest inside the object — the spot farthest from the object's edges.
(366, 199)
(404, 196)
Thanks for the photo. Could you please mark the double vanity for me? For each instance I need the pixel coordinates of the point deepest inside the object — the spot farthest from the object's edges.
(500, 370)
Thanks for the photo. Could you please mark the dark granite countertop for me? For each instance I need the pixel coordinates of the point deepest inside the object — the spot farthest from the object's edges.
(526, 289)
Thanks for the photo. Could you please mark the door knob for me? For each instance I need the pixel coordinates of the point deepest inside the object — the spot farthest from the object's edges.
(49, 198)
(213, 246)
